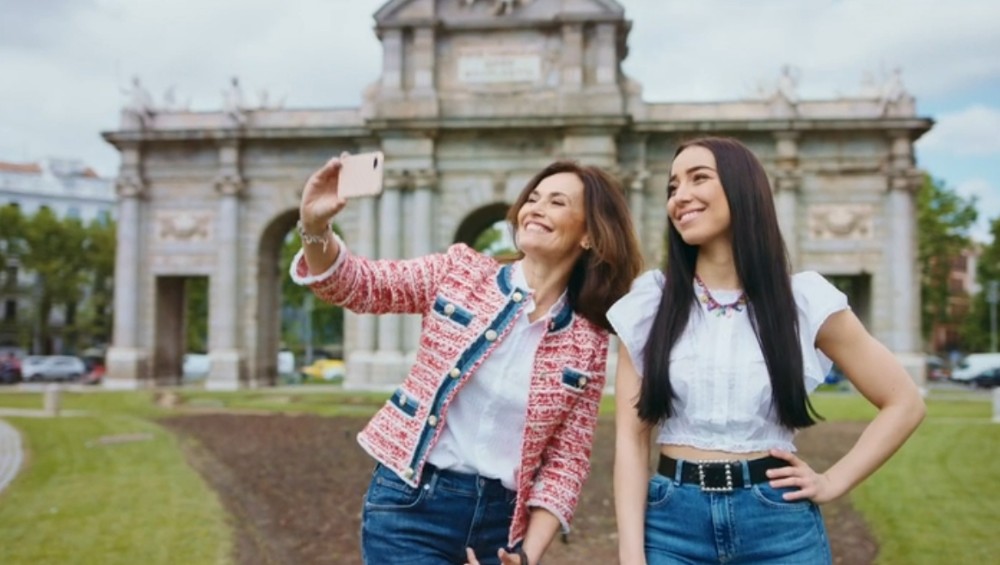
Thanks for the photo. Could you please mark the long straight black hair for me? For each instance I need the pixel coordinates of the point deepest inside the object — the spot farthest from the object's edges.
(762, 267)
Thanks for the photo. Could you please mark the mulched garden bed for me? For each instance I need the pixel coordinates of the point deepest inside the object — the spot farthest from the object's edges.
(293, 485)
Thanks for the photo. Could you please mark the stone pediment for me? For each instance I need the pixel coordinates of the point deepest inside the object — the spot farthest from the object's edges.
(494, 13)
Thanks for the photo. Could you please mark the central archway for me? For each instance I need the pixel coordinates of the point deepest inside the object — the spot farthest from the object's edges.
(486, 229)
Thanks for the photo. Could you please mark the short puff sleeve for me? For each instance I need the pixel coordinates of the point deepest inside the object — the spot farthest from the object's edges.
(816, 300)
(633, 314)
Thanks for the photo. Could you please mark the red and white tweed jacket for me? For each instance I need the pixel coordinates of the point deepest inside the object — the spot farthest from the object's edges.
(468, 305)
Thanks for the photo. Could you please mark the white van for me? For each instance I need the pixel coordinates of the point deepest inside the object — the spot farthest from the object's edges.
(974, 364)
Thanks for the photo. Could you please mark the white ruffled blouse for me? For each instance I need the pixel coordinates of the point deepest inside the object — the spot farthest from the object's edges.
(717, 370)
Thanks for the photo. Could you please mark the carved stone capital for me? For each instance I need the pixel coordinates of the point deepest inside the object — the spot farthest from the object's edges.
(635, 181)
(906, 181)
(787, 182)
(229, 184)
(425, 179)
(130, 185)
(397, 180)
(786, 149)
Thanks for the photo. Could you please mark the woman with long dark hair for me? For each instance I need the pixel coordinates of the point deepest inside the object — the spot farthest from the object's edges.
(483, 449)
(719, 352)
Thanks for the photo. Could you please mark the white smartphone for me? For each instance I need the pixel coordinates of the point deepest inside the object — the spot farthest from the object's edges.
(361, 175)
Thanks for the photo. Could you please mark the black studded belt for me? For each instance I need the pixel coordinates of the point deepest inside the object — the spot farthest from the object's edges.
(719, 476)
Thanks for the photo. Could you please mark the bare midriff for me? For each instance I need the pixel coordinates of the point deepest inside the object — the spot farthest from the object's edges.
(689, 453)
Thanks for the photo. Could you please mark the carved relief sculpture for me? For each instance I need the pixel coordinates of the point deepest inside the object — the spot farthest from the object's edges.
(183, 226)
(841, 221)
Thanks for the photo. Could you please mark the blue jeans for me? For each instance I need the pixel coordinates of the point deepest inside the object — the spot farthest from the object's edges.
(748, 525)
(434, 523)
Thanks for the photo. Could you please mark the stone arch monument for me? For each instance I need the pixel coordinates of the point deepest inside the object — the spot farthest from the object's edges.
(475, 97)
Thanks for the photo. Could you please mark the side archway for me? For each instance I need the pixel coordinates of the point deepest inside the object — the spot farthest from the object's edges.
(286, 313)
(486, 229)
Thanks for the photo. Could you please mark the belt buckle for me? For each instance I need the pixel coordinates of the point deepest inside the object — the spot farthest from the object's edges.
(727, 465)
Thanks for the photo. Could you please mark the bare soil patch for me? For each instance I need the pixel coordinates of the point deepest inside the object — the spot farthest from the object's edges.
(293, 487)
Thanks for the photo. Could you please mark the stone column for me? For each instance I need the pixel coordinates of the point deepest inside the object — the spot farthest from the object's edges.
(787, 181)
(901, 257)
(366, 246)
(388, 364)
(637, 199)
(389, 239)
(361, 356)
(607, 54)
(423, 61)
(127, 361)
(224, 297)
(422, 239)
(392, 62)
(572, 58)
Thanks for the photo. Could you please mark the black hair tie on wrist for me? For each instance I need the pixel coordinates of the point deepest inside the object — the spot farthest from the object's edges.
(523, 556)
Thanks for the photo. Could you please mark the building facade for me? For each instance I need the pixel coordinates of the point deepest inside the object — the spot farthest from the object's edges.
(66, 186)
(69, 189)
(473, 99)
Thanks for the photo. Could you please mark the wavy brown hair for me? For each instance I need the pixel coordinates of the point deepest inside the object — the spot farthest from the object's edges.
(603, 273)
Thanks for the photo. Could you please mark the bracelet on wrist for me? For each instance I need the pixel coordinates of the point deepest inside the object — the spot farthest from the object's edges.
(307, 238)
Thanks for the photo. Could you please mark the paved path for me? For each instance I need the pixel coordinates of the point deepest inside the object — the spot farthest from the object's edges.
(11, 454)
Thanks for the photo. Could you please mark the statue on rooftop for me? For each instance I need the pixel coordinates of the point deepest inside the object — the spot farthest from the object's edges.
(140, 104)
(232, 102)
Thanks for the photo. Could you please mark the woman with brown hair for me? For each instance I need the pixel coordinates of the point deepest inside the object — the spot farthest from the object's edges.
(483, 449)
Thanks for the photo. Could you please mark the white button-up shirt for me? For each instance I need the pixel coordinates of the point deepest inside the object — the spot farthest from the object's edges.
(485, 421)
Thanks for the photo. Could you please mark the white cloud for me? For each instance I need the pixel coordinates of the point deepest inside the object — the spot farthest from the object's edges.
(322, 53)
(972, 131)
(718, 48)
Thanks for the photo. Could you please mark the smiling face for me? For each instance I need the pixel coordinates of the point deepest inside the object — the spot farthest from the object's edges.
(551, 223)
(696, 202)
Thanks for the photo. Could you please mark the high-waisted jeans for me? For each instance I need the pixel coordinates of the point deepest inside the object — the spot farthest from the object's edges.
(433, 523)
(751, 524)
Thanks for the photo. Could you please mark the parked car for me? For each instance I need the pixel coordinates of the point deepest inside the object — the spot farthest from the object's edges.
(10, 370)
(52, 367)
(937, 368)
(973, 365)
(324, 369)
(195, 366)
(987, 379)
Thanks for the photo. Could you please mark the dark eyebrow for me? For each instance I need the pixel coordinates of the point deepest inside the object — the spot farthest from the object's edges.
(693, 169)
(552, 194)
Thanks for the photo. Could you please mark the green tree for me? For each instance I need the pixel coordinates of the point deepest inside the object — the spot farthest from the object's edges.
(943, 222)
(99, 250)
(196, 313)
(54, 252)
(326, 320)
(976, 329)
(495, 241)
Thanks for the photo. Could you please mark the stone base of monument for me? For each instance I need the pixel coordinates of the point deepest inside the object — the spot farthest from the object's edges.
(127, 368)
(225, 370)
(914, 364)
(376, 370)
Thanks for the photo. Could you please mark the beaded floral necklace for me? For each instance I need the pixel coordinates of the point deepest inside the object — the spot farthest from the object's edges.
(713, 305)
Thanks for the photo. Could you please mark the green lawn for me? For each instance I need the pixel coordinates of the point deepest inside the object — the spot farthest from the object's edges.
(82, 501)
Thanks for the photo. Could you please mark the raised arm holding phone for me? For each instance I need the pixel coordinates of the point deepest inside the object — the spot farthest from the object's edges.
(483, 449)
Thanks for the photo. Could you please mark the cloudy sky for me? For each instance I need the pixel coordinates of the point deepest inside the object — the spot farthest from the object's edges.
(66, 63)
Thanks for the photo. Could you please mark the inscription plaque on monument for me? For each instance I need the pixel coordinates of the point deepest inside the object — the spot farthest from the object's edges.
(499, 64)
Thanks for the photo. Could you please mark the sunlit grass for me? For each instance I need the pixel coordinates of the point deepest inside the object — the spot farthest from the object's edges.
(107, 488)
(81, 501)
